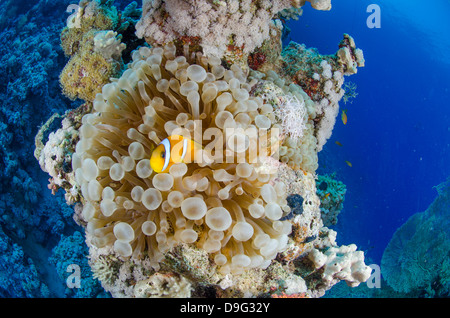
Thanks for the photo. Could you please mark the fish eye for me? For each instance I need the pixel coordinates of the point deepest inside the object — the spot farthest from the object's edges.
(163, 154)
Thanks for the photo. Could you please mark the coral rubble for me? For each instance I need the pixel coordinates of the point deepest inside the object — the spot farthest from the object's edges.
(238, 217)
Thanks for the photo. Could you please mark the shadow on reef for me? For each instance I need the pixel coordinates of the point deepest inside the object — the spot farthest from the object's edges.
(38, 237)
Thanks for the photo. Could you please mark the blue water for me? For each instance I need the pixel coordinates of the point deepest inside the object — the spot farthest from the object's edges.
(397, 136)
(398, 132)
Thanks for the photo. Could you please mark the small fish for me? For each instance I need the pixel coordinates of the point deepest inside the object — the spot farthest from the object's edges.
(327, 195)
(348, 163)
(344, 116)
(338, 143)
(173, 149)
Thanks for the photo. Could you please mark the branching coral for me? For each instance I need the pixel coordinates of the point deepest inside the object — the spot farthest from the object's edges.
(71, 250)
(318, 4)
(108, 44)
(326, 264)
(341, 263)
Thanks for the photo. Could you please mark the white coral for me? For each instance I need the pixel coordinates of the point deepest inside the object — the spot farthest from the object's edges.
(163, 286)
(341, 263)
(109, 45)
(292, 113)
(210, 22)
(323, 5)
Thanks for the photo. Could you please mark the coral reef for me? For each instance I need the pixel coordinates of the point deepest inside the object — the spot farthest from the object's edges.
(14, 266)
(94, 50)
(326, 264)
(31, 221)
(224, 26)
(72, 250)
(416, 260)
(239, 214)
(292, 113)
(322, 77)
(55, 157)
(332, 195)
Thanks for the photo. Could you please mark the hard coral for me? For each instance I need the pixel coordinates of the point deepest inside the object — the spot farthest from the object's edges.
(55, 157)
(322, 78)
(89, 69)
(244, 24)
(91, 15)
(94, 49)
(332, 194)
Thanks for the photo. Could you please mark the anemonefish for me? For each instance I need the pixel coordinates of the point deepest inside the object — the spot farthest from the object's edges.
(173, 149)
(344, 117)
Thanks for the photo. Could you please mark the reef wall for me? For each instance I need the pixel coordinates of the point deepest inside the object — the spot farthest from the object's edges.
(34, 225)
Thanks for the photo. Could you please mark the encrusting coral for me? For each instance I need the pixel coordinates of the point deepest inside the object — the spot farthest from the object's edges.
(231, 126)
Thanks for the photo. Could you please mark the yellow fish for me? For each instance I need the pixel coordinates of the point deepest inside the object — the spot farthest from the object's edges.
(348, 163)
(338, 143)
(173, 149)
(344, 116)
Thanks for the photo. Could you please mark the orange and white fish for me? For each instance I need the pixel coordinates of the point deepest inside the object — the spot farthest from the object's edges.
(344, 116)
(173, 149)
